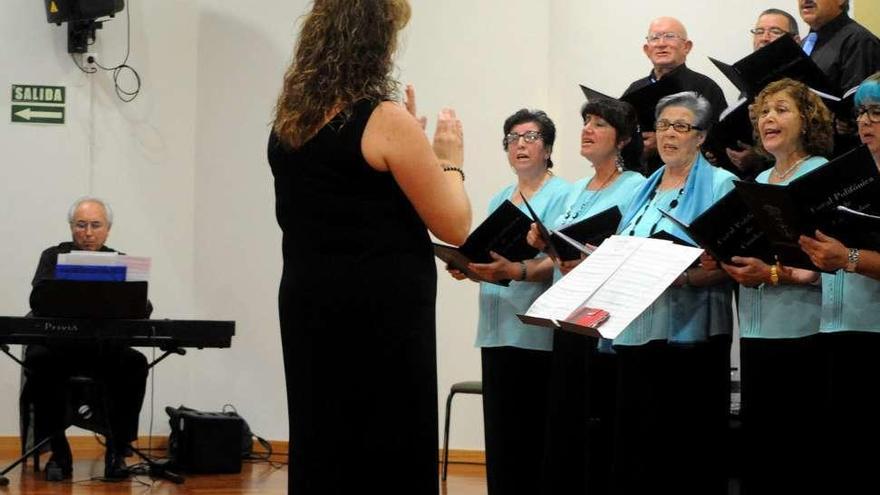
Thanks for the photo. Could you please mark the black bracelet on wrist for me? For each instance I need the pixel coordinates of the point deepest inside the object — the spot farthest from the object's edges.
(450, 168)
(522, 271)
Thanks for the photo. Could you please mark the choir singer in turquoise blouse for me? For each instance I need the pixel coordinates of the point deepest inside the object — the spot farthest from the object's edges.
(779, 310)
(673, 360)
(516, 356)
(583, 378)
(850, 334)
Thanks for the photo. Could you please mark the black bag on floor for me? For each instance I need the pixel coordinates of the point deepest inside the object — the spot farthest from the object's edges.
(207, 442)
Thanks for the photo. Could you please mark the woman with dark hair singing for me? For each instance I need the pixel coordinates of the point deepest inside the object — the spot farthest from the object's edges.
(514, 356)
(358, 187)
(580, 413)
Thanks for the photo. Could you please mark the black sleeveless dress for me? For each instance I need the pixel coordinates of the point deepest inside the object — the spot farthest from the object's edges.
(356, 305)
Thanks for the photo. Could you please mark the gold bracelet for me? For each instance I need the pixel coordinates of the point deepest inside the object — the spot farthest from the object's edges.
(774, 275)
(522, 271)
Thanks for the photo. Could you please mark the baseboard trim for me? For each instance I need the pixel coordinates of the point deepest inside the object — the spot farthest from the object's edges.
(90, 445)
(465, 456)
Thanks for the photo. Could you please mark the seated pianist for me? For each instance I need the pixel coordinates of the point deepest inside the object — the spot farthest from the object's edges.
(122, 371)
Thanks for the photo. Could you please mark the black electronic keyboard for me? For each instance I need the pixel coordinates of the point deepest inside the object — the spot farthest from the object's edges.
(164, 334)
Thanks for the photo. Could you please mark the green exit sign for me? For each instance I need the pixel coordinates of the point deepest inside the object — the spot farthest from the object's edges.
(38, 104)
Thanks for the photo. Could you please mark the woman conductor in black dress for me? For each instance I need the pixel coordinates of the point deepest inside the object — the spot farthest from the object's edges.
(357, 188)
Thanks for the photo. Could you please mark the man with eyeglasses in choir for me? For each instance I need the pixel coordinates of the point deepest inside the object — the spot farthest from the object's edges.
(121, 370)
(772, 24)
(667, 47)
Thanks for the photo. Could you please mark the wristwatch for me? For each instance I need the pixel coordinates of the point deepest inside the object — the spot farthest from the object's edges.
(852, 259)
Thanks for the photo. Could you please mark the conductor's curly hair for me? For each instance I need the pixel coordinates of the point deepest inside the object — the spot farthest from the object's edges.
(344, 54)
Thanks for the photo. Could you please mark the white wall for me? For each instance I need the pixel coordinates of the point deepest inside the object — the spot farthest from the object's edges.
(184, 164)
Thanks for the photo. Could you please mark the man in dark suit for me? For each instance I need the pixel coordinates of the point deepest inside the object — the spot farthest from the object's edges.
(845, 51)
(121, 371)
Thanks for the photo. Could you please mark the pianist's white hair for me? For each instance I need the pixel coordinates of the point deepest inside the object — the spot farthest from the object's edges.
(90, 199)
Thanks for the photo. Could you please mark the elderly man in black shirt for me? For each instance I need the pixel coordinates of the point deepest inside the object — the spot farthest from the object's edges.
(121, 371)
(667, 46)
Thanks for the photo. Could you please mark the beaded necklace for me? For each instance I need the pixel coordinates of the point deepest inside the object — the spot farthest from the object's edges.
(672, 205)
(783, 175)
(586, 205)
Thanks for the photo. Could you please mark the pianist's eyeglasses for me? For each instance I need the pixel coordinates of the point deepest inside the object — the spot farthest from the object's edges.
(872, 111)
(86, 225)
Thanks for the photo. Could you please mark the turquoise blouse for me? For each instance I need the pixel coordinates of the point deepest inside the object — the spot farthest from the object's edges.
(781, 311)
(498, 325)
(582, 203)
(850, 302)
(686, 314)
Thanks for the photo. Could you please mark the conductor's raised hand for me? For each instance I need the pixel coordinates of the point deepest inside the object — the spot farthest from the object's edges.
(410, 103)
(449, 138)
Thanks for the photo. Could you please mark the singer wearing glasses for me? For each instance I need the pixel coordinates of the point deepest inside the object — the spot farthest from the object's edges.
(515, 356)
(850, 331)
(674, 359)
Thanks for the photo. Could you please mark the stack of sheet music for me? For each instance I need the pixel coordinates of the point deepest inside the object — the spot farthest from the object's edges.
(612, 286)
(97, 265)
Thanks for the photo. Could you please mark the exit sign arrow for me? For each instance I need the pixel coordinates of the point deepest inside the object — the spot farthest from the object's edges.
(41, 114)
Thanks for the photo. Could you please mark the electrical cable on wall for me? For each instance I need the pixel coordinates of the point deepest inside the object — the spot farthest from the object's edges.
(123, 94)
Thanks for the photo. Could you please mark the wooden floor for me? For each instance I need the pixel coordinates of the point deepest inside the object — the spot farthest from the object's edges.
(256, 477)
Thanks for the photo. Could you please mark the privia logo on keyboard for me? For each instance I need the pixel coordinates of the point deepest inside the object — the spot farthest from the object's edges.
(62, 327)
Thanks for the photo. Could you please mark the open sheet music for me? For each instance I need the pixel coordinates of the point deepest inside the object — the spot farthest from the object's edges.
(623, 277)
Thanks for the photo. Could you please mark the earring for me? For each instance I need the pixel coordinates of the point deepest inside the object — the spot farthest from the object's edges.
(620, 162)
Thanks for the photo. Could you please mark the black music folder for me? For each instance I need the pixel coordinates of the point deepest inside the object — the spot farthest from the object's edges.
(734, 126)
(727, 229)
(810, 202)
(866, 224)
(593, 95)
(643, 99)
(780, 59)
(504, 232)
(90, 299)
(589, 231)
(550, 249)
